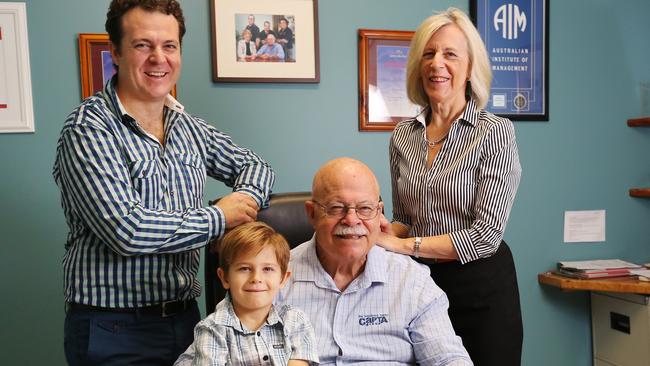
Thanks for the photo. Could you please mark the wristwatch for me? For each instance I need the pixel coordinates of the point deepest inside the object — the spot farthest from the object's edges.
(416, 247)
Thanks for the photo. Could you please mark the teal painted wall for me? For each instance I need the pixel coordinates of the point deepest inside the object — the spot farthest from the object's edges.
(583, 158)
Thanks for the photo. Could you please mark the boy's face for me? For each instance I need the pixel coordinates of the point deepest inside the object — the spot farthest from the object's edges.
(253, 281)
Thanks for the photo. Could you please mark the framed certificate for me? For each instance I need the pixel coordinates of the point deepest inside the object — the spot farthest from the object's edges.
(515, 33)
(382, 79)
(16, 107)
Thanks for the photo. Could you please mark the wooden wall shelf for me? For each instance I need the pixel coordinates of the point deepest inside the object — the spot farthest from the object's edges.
(618, 284)
(639, 122)
(640, 192)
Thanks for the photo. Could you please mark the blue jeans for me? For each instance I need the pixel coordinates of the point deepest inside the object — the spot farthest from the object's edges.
(109, 338)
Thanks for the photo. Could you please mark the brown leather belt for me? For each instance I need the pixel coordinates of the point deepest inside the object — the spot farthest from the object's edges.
(164, 310)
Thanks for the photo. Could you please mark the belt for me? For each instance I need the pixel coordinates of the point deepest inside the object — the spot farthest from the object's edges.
(435, 260)
(163, 310)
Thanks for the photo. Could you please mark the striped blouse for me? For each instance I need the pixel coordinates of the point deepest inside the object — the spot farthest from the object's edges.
(468, 191)
(134, 207)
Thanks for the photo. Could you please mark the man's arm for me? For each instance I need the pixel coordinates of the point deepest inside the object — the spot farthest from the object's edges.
(238, 208)
(238, 167)
(93, 172)
(434, 341)
(279, 51)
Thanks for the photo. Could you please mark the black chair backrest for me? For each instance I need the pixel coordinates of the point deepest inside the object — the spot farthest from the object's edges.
(286, 214)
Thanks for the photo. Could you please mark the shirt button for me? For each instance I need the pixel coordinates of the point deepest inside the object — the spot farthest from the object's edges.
(259, 334)
(265, 358)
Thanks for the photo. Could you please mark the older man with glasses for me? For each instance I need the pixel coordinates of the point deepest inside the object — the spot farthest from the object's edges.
(366, 304)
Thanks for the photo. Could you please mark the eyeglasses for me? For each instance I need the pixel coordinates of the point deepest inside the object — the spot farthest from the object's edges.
(338, 210)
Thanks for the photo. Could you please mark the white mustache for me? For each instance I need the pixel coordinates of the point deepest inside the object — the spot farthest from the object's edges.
(350, 230)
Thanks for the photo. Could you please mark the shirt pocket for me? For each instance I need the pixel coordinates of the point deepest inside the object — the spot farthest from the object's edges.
(147, 182)
(191, 179)
(454, 193)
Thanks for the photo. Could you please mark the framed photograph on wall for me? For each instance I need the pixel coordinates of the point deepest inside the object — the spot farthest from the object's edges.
(95, 63)
(264, 41)
(382, 79)
(16, 106)
(515, 33)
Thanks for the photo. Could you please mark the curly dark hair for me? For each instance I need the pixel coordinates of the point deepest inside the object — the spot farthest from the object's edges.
(118, 8)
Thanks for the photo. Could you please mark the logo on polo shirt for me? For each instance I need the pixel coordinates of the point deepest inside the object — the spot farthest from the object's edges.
(373, 319)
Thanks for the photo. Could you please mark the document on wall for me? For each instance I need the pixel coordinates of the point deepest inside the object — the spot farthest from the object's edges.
(584, 226)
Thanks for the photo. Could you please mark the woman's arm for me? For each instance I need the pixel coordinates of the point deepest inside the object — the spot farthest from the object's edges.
(438, 247)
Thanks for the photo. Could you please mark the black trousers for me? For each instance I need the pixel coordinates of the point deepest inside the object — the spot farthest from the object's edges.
(484, 306)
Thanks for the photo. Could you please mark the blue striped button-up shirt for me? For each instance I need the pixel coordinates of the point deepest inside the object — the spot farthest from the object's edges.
(134, 206)
(221, 339)
(470, 187)
(391, 314)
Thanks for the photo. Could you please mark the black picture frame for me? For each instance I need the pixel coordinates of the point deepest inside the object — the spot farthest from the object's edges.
(518, 52)
(300, 64)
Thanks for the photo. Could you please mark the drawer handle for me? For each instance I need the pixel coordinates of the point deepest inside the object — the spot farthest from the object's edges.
(619, 322)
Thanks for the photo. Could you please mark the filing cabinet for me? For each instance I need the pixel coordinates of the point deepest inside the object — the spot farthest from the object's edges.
(620, 329)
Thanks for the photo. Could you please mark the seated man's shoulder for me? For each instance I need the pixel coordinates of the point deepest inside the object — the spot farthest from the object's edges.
(405, 263)
(299, 252)
(409, 273)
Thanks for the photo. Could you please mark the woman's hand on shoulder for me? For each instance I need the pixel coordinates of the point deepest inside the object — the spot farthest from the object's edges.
(392, 243)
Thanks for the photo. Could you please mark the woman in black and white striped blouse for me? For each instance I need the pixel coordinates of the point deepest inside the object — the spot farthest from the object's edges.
(455, 172)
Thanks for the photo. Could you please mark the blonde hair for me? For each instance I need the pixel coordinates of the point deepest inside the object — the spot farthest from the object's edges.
(480, 73)
(250, 239)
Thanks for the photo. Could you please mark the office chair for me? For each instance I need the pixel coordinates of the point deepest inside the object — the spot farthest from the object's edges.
(286, 214)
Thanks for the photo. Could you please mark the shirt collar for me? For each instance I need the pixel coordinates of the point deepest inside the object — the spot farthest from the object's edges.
(115, 104)
(230, 319)
(470, 114)
(308, 267)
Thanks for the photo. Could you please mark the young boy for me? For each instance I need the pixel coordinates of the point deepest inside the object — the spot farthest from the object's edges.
(245, 328)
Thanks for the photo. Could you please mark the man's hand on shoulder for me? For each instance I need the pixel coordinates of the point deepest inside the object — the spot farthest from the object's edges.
(239, 208)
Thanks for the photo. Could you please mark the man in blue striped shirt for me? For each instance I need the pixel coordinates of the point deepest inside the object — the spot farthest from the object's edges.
(131, 165)
(367, 305)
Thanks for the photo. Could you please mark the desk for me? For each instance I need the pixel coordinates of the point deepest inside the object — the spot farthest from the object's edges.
(617, 284)
(620, 317)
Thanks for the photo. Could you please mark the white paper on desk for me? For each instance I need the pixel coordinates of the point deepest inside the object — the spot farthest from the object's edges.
(584, 226)
(641, 272)
(599, 264)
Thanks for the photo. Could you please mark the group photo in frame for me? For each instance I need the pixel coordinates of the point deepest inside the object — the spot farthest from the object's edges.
(382, 79)
(95, 63)
(16, 105)
(515, 33)
(265, 41)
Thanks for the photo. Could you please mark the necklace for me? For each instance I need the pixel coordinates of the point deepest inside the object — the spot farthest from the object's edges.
(433, 144)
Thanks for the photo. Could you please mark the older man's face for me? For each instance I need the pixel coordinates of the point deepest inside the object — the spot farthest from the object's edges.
(270, 40)
(346, 238)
